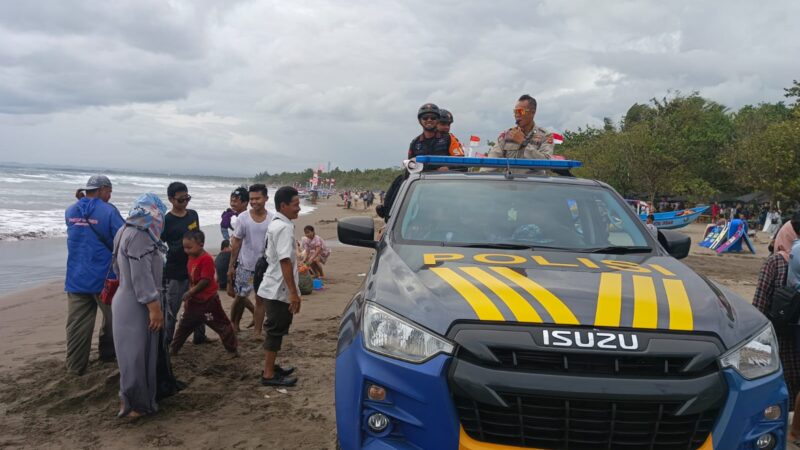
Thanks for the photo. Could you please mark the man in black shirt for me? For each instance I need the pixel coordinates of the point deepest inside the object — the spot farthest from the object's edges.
(177, 222)
(430, 142)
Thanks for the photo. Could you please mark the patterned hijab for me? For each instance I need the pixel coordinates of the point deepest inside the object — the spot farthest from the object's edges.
(147, 214)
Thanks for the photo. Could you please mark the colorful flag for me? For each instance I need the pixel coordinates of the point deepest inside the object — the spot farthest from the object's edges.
(558, 139)
(474, 141)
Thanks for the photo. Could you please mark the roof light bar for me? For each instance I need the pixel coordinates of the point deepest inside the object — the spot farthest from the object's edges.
(542, 164)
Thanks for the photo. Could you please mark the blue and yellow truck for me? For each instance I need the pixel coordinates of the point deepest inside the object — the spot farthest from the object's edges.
(507, 311)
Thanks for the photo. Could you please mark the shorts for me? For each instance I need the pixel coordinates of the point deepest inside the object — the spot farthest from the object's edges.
(243, 283)
(279, 319)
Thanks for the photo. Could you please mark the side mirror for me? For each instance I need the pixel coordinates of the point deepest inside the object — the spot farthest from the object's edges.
(675, 243)
(358, 231)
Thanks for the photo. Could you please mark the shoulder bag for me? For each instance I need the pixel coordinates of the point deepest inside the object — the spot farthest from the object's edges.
(111, 284)
(784, 309)
(261, 266)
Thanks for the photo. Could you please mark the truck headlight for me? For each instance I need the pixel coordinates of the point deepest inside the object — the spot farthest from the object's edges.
(755, 358)
(390, 335)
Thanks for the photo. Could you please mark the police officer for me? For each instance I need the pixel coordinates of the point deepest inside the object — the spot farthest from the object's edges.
(445, 120)
(526, 140)
(430, 142)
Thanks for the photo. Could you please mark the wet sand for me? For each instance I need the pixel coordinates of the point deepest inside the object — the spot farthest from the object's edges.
(224, 406)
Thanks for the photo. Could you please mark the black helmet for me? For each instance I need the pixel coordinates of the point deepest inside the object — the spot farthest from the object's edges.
(428, 108)
(445, 116)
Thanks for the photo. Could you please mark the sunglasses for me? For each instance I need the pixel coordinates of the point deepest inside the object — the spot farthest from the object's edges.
(184, 199)
(429, 117)
(520, 111)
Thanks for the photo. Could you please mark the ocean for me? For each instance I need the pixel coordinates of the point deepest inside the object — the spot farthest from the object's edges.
(33, 200)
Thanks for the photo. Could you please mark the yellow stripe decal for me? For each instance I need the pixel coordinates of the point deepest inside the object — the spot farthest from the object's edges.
(555, 307)
(483, 307)
(520, 307)
(662, 270)
(645, 307)
(588, 263)
(680, 310)
(609, 300)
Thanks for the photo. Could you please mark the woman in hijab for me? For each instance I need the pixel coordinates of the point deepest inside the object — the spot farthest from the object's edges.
(136, 307)
(774, 274)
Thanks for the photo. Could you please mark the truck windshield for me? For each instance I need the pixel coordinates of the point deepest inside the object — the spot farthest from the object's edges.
(518, 214)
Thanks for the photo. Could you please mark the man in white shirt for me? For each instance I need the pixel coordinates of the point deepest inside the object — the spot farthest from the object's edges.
(280, 289)
(247, 245)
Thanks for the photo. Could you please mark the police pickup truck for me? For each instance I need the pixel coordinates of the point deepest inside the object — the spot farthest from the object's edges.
(507, 311)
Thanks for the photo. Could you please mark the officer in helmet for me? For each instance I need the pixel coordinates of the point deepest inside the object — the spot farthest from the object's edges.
(430, 142)
(445, 120)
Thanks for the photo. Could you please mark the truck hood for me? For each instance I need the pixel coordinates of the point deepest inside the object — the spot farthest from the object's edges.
(438, 287)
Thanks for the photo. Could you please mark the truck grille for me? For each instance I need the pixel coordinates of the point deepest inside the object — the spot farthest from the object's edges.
(543, 422)
(596, 364)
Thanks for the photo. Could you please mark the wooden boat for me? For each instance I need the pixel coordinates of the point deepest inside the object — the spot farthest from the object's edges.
(671, 219)
(676, 219)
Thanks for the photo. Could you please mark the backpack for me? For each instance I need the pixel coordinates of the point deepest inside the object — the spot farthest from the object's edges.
(784, 309)
(261, 266)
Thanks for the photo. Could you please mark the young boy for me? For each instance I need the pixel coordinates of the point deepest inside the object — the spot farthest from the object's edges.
(201, 302)
(239, 200)
(651, 227)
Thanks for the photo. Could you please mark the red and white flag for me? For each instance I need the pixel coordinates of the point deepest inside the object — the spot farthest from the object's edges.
(558, 139)
(474, 141)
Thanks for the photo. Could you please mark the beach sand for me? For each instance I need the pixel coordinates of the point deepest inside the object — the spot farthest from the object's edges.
(223, 406)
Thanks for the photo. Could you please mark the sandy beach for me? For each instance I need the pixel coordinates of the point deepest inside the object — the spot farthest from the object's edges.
(224, 406)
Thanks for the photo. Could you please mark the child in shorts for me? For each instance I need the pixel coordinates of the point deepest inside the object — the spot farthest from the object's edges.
(201, 303)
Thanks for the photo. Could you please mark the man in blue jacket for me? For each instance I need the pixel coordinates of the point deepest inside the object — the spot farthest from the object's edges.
(92, 223)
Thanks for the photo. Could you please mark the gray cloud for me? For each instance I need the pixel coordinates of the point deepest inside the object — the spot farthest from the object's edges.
(269, 85)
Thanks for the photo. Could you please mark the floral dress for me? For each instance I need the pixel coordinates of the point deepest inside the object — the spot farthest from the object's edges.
(313, 248)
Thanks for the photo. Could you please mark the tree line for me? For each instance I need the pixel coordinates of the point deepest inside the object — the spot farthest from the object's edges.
(373, 179)
(676, 146)
(689, 146)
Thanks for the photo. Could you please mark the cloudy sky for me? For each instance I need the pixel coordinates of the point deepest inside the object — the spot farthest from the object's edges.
(238, 87)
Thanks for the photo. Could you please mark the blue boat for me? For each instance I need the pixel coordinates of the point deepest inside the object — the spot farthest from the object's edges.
(670, 219)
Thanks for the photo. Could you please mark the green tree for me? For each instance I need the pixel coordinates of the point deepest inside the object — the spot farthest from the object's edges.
(770, 160)
(793, 92)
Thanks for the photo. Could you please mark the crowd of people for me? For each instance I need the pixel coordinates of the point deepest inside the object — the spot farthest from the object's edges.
(359, 199)
(143, 270)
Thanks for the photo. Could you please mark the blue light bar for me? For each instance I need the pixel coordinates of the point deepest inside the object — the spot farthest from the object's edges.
(542, 164)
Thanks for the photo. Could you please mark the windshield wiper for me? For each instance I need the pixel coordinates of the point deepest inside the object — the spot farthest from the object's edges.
(618, 250)
(490, 245)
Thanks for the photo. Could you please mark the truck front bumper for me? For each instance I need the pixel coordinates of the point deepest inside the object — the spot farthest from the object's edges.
(422, 414)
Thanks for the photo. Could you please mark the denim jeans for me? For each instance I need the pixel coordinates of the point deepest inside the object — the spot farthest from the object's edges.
(174, 293)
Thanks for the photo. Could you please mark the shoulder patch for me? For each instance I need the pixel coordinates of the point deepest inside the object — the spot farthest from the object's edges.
(549, 138)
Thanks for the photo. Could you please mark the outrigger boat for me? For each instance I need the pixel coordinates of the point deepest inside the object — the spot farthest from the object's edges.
(668, 220)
